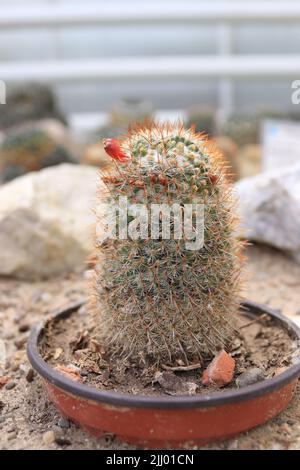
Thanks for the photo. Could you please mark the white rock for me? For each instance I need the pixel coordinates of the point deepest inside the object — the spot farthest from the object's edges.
(46, 221)
(270, 209)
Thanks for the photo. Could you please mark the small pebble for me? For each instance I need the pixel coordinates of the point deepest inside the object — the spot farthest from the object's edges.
(46, 297)
(250, 377)
(10, 385)
(20, 343)
(23, 327)
(30, 375)
(61, 441)
(11, 429)
(291, 422)
(11, 436)
(4, 381)
(220, 371)
(48, 438)
(63, 423)
(2, 419)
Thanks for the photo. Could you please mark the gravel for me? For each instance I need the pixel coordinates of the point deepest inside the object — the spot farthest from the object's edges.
(271, 278)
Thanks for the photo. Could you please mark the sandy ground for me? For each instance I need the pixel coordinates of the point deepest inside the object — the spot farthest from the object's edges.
(26, 415)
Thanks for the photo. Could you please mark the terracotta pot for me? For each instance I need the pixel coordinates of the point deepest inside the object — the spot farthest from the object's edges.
(168, 421)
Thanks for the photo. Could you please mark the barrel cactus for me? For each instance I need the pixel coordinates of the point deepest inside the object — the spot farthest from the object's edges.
(158, 299)
(29, 102)
(29, 149)
(242, 129)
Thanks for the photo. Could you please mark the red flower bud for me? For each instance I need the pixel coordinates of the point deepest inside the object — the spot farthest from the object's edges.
(113, 149)
(163, 180)
(212, 179)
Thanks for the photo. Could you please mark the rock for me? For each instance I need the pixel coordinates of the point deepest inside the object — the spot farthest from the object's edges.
(11, 436)
(250, 377)
(20, 343)
(10, 385)
(62, 441)
(269, 206)
(174, 385)
(63, 423)
(4, 381)
(30, 375)
(220, 371)
(48, 438)
(46, 297)
(11, 429)
(24, 327)
(46, 221)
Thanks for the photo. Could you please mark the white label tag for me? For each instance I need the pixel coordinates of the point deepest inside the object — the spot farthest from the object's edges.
(281, 144)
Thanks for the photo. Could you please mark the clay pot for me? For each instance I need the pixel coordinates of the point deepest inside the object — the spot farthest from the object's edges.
(168, 421)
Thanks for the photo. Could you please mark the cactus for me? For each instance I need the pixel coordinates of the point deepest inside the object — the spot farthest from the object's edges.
(29, 149)
(242, 129)
(29, 102)
(153, 299)
(128, 110)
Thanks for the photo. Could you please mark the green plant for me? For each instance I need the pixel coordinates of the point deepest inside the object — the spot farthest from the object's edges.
(153, 298)
(242, 129)
(29, 149)
(29, 102)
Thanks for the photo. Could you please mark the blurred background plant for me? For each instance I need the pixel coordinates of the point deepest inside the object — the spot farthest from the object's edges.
(100, 67)
(76, 72)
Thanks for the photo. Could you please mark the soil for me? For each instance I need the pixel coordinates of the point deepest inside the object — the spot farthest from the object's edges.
(69, 346)
(29, 421)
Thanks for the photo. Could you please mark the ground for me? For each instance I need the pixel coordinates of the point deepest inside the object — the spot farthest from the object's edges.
(26, 415)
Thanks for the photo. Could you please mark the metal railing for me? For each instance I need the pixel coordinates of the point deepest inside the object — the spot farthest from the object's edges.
(133, 12)
(224, 66)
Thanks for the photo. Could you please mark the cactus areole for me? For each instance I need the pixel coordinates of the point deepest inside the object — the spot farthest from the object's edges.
(162, 298)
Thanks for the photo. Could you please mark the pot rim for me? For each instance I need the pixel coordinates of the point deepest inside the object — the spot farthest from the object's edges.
(212, 399)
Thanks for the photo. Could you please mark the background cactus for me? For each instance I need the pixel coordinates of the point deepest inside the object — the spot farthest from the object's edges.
(154, 299)
(29, 102)
(29, 149)
(203, 118)
(242, 129)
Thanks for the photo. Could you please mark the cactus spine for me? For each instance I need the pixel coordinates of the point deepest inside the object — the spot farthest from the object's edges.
(155, 300)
